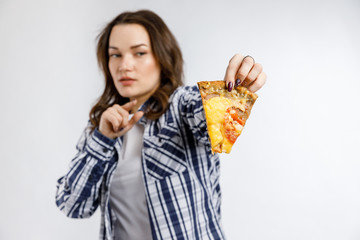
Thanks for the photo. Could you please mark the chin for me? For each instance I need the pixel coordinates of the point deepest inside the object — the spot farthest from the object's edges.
(125, 93)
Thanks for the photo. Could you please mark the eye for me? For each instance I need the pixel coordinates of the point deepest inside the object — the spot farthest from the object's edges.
(140, 54)
(114, 55)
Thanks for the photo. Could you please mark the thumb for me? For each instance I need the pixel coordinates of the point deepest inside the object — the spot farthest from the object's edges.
(137, 116)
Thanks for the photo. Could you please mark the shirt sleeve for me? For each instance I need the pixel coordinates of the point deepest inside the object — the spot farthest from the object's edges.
(78, 191)
(192, 112)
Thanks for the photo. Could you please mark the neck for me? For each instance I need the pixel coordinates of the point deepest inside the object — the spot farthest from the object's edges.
(141, 100)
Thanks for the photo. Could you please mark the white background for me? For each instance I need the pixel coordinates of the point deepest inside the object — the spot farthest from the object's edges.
(293, 174)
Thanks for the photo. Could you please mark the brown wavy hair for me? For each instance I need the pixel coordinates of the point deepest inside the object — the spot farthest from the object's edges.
(166, 51)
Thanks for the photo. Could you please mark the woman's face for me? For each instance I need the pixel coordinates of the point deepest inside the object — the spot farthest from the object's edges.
(133, 67)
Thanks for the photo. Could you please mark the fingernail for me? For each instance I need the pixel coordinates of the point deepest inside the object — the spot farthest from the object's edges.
(237, 82)
(230, 86)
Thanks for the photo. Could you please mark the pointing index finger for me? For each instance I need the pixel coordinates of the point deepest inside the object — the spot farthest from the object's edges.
(129, 105)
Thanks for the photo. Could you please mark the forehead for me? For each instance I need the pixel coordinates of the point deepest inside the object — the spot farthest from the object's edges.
(128, 35)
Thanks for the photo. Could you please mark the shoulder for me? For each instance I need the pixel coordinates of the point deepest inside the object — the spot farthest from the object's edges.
(185, 93)
(186, 100)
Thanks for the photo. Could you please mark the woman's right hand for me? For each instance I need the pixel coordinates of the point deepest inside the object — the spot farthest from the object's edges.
(114, 121)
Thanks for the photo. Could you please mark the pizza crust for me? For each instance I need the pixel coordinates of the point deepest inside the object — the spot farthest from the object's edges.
(218, 102)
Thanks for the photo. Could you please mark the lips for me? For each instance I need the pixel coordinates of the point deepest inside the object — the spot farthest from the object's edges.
(127, 81)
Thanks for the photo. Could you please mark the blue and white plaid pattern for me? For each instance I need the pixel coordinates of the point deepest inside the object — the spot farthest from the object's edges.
(181, 175)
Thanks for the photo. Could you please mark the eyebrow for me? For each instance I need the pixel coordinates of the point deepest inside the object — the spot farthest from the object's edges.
(132, 47)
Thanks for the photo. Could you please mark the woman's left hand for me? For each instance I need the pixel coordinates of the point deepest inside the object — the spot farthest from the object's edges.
(246, 72)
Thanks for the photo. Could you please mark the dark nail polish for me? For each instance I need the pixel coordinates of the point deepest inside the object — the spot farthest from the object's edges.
(237, 82)
(230, 86)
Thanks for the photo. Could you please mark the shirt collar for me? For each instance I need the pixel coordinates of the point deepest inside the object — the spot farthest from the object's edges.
(146, 107)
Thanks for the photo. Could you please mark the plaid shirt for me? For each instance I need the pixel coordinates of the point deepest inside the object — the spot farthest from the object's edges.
(181, 176)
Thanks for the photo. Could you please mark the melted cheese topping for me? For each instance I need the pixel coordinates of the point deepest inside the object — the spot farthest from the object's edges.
(216, 100)
(215, 110)
(226, 147)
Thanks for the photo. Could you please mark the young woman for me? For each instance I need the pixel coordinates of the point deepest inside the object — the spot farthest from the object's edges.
(145, 157)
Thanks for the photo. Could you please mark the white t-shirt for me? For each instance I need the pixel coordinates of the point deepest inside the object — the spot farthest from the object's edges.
(127, 191)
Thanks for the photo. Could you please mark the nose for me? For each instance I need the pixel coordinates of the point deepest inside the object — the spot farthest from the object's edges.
(126, 63)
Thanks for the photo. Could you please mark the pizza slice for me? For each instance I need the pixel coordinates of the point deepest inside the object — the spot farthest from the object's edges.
(226, 112)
